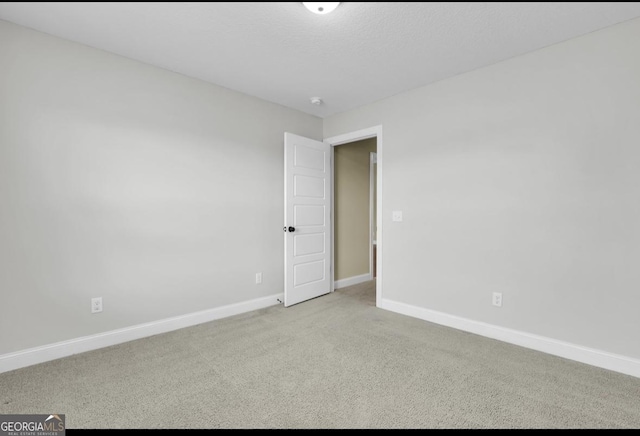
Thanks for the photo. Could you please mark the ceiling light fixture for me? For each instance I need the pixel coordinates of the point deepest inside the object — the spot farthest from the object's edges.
(321, 8)
(316, 100)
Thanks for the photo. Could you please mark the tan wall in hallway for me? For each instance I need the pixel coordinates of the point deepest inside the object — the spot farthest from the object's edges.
(351, 215)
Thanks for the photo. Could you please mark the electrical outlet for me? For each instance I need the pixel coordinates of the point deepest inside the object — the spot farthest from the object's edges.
(497, 299)
(96, 305)
(258, 278)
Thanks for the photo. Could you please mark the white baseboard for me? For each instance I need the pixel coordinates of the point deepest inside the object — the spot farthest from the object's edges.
(590, 356)
(32, 356)
(343, 283)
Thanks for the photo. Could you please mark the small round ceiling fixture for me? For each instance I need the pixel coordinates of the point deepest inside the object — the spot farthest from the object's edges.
(321, 8)
(316, 100)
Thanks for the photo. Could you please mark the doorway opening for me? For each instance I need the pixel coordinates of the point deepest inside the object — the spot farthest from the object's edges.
(357, 209)
(353, 206)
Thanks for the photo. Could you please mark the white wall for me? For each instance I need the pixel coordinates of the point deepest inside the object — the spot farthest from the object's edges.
(160, 193)
(521, 178)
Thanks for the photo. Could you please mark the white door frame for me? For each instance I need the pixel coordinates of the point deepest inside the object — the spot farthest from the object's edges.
(371, 132)
(372, 210)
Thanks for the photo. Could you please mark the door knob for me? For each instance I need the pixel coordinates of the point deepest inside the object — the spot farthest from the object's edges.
(292, 229)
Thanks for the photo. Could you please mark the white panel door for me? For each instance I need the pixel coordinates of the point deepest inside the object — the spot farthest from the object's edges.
(307, 219)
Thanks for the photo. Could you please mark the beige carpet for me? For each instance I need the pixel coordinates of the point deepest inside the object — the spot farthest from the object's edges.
(333, 362)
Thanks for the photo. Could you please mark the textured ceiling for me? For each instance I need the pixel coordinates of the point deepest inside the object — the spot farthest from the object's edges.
(360, 53)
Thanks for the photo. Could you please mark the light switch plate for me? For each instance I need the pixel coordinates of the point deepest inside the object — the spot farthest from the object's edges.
(396, 215)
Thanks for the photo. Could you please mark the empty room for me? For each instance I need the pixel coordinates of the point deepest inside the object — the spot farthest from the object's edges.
(290, 215)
